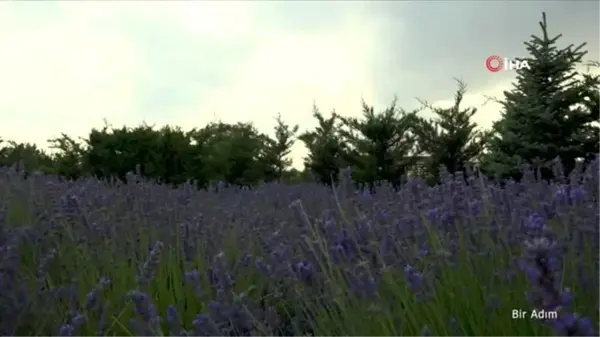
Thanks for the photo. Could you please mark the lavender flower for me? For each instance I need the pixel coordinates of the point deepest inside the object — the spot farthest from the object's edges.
(172, 319)
(193, 277)
(328, 251)
(41, 271)
(414, 278)
(203, 326)
(149, 267)
(66, 330)
(92, 298)
(147, 312)
(102, 320)
(541, 266)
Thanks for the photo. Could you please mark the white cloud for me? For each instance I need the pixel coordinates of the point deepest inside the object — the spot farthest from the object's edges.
(66, 66)
(221, 20)
(482, 99)
(70, 72)
(286, 73)
(63, 76)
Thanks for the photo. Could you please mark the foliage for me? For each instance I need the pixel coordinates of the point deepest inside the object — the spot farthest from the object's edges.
(551, 112)
(27, 157)
(451, 140)
(278, 149)
(547, 114)
(382, 146)
(326, 147)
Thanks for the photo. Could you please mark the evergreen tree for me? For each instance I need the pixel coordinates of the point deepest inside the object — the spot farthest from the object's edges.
(24, 157)
(237, 153)
(451, 139)
(68, 161)
(277, 149)
(326, 150)
(544, 116)
(383, 148)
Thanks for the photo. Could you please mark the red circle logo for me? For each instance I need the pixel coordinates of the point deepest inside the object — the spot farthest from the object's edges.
(494, 63)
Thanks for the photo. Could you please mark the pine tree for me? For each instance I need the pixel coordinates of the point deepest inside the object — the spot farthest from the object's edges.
(451, 139)
(326, 150)
(545, 116)
(277, 149)
(382, 144)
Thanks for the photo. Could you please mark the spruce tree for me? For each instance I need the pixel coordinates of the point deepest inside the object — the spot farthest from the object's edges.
(326, 149)
(545, 116)
(276, 150)
(382, 144)
(451, 138)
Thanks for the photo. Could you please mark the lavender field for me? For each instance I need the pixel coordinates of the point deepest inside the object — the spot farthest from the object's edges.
(86, 258)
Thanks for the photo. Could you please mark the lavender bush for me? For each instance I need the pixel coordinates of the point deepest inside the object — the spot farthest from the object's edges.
(86, 258)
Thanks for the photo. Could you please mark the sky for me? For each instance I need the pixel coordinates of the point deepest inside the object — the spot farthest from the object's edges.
(65, 67)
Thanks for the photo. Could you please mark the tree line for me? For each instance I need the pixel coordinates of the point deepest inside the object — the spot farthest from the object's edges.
(551, 112)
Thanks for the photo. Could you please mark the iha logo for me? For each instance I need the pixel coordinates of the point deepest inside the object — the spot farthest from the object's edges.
(496, 63)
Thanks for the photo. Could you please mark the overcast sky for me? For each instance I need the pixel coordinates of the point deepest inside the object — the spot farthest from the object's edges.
(65, 66)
